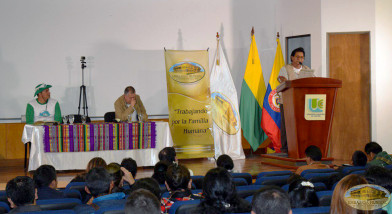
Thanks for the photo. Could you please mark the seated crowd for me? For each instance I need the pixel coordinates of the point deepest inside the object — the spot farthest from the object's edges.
(114, 185)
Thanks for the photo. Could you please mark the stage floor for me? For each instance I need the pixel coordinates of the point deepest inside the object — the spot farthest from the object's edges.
(10, 169)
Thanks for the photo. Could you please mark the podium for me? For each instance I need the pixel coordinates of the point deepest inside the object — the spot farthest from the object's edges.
(308, 107)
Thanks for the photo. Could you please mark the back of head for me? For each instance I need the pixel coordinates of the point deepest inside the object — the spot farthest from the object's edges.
(21, 190)
(359, 158)
(177, 177)
(373, 147)
(167, 154)
(380, 176)
(313, 152)
(142, 201)
(95, 163)
(338, 205)
(219, 190)
(98, 181)
(225, 161)
(147, 184)
(271, 200)
(116, 173)
(130, 165)
(302, 194)
(44, 175)
(160, 169)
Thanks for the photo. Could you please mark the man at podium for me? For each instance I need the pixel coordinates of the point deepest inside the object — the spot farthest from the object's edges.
(292, 71)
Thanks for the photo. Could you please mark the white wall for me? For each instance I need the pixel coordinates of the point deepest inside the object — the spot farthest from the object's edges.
(123, 40)
(298, 18)
(382, 102)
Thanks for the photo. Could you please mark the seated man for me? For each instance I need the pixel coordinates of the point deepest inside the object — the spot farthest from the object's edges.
(43, 108)
(129, 106)
(21, 195)
(142, 201)
(131, 166)
(271, 200)
(178, 183)
(169, 155)
(45, 180)
(313, 158)
(226, 162)
(100, 184)
(376, 155)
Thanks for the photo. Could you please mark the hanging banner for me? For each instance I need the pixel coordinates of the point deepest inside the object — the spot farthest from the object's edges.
(188, 92)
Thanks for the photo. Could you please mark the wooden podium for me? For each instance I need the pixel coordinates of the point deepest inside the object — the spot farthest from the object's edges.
(315, 130)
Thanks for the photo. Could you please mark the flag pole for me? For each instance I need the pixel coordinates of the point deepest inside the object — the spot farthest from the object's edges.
(217, 49)
(252, 33)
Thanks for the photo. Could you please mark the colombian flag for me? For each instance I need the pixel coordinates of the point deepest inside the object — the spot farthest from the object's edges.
(270, 121)
(251, 101)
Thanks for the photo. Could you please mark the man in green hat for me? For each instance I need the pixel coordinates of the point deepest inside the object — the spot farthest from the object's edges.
(43, 108)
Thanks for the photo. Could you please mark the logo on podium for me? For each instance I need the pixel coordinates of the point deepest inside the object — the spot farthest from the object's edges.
(315, 106)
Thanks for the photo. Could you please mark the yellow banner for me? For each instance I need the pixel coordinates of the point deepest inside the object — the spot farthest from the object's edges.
(188, 92)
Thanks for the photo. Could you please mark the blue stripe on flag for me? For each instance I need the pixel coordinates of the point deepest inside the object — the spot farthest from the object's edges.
(274, 115)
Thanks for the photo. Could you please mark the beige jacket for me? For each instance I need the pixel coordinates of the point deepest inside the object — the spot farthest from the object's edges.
(287, 71)
(122, 111)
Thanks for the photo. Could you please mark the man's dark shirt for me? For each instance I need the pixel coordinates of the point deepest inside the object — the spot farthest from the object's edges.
(49, 193)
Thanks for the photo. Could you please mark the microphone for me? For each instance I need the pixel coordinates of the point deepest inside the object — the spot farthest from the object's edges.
(300, 63)
(82, 58)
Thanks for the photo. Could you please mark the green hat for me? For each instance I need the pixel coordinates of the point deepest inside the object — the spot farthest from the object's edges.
(39, 88)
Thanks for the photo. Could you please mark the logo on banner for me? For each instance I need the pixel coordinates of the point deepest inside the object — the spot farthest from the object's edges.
(273, 98)
(186, 72)
(224, 114)
(367, 197)
(315, 106)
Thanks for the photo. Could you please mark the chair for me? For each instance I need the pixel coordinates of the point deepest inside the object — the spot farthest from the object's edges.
(163, 188)
(388, 167)
(273, 180)
(71, 193)
(240, 182)
(249, 198)
(324, 197)
(311, 210)
(115, 208)
(58, 204)
(52, 212)
(245, 191)
(348, 169)
(4, 208)
(358, 172)
(110, 117)
(183, 207)
(274, 173)
(76, 185)
(3, 196)
(317, 186)
(316, 171)
(319, 177)
(246, 176)
(198, 181)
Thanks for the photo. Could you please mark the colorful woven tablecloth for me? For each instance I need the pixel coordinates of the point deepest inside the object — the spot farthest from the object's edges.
(99, 136)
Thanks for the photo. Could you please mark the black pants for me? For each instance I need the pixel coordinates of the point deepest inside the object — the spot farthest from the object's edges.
(283, 138)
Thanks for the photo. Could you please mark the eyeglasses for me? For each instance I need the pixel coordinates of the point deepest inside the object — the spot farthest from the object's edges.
(300, 57)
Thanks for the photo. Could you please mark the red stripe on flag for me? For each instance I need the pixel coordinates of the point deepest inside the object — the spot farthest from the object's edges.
(271, 129)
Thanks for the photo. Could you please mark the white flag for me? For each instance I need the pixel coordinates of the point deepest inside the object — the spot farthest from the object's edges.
(225, 114)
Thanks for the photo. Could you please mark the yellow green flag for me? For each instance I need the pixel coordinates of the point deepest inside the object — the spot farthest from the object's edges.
(252, 96)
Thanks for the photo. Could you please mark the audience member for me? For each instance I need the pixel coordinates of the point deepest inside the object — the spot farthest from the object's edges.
(45, 180)
(168, 154)
(359, 158)
(226, 162)
(377, 156)
(130, 165)
(313, 158)
(220, 195)
(115, 172)
(338, 205)
(93, 163)
(21, 195)
(99, 184)
(302, 194)
(160, 169)
(142, 201)
(179, 184)
(271, 200)
(149, 184)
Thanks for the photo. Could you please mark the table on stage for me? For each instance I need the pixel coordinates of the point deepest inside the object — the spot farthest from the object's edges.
(79, 160)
